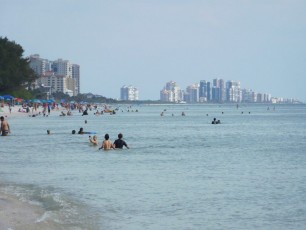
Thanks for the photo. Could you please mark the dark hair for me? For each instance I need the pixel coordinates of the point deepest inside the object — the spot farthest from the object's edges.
(73, 131)
(106, 136)
(2, 117)
(120, 135)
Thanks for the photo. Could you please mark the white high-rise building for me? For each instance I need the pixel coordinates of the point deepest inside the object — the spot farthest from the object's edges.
(59, 76)
(129, 93)
(39, 65)
(62, 67)
(171, 92)
(192, 93)
(57, 83)
(233, 92)
(76, 77)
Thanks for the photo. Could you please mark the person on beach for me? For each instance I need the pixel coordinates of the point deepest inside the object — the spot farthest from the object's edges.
(119, 143)
(94, 140)
(5, 127)
(107, 144)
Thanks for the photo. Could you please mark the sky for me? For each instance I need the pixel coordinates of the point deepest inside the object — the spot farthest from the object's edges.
(261, 43)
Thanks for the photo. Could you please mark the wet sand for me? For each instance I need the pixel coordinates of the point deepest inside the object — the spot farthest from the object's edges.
(18, 215)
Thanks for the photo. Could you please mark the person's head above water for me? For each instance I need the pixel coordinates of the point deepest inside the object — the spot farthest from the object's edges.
(120, 135)
(73, 131)
(106, 136)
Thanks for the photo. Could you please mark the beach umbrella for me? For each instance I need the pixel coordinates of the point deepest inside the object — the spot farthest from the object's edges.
(36, 101)
(8, 97)
(18, 99)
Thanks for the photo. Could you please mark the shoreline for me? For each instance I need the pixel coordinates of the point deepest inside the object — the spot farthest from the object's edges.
(28, 207)
(17, 214)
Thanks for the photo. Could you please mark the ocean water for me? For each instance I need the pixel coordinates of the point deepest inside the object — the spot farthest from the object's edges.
(181, 172)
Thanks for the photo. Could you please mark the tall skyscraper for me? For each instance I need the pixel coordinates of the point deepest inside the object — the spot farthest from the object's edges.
(233, 92)
(76, 77)
(203, 91)
(192, 93)
(219, 94)
(209, 86)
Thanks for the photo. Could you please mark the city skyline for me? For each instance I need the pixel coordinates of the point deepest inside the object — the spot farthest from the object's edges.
(217, 91)
(63, 76)
(146, 43)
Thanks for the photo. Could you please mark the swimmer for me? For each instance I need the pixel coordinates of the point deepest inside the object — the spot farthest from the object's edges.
(119, 143)
(81, 131)
(94, 140)
(107, 144)
(215, 121)
(73, 132)
(48, 132)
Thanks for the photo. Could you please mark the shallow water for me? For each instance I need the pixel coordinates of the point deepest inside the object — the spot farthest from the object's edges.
(180, 173)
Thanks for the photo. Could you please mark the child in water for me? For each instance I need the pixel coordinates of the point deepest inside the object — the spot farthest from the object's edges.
(93, 140)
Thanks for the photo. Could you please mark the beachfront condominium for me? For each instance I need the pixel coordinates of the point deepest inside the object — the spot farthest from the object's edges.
(192, 93)
(62, 67)
(58, 76)
(65, 68)
(233, 91)
(39, 65)
(76, 77)
(129, 93)
(171, 92)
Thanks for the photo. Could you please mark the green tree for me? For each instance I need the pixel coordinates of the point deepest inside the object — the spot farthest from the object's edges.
(15, 71)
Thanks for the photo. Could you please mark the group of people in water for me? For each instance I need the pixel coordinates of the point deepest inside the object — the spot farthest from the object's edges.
(106, 144)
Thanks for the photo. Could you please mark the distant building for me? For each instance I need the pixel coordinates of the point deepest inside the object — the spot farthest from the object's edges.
(59, 76)
(39, 65)
(218, 90)
(233, 92)
(62, 67)
(171, 92)
(129, 93)
(203, 91)
(192, 93)
(76, 77)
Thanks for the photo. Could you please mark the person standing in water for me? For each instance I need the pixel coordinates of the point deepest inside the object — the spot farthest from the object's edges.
(119, 143)
(5, 127)
(107, 144)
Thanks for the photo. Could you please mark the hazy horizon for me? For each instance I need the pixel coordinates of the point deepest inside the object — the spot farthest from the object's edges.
(146, 44)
